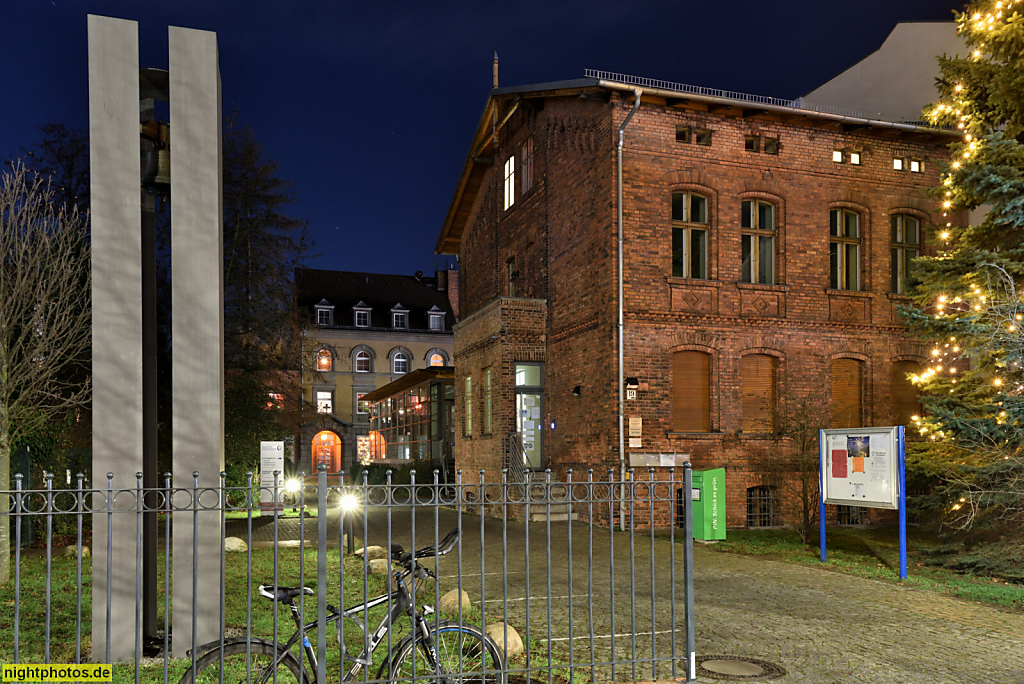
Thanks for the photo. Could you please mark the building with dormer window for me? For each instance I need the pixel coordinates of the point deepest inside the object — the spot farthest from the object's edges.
(360, 331)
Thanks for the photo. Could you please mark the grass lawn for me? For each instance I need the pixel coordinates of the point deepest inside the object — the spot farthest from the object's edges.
(873, 553)
(32, 618)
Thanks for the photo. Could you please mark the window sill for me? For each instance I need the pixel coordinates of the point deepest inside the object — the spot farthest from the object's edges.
(694, 435)
(763, 288)
(832, 292)
(897, 297)
(693, 282)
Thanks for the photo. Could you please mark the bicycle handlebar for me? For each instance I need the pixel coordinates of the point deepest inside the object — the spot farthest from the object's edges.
(443, 547)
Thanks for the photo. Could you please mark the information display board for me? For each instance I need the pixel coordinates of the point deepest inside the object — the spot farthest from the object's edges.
(859, 467)
(271, 459)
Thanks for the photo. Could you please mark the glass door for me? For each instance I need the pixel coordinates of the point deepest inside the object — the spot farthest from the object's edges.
(530, 412)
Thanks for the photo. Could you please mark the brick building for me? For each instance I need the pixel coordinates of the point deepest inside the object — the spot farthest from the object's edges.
(361, 331)
(764, 249)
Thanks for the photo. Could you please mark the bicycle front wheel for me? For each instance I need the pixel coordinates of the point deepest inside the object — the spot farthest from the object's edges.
(464, 655)
(260, 664)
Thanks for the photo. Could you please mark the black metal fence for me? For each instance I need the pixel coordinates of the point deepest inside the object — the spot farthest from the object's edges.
(590, 602)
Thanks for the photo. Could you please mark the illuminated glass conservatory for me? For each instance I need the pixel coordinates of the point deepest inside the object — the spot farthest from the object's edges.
(411, 418)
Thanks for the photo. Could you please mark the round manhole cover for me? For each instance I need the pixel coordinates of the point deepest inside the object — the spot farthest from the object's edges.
(733, 668)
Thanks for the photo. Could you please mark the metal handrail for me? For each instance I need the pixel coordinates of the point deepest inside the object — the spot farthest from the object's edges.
(515, 457)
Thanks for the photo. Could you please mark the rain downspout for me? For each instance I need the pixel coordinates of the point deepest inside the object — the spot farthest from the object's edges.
(622, 378)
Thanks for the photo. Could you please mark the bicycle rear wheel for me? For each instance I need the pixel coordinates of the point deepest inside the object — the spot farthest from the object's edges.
(465, 655)
(260, 666)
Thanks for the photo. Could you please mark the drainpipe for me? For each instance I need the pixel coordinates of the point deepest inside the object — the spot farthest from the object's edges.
(622, 375)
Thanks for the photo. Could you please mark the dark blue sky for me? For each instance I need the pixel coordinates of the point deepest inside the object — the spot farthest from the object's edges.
(370, 107)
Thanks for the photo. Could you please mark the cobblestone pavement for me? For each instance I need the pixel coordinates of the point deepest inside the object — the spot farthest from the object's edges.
(821, 627)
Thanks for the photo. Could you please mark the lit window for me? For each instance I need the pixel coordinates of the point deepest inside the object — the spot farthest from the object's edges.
(837, 156)
(757, 242)
(362, 318)
(362, 407)
(702, 136)
(897, 163)
(689, 235)
(844, 250)
(468, 416)
(771, 145)
(527, 165)
(906, 242)
(437, 321)
(916, 166)
(510, 181)
(275, 400)
(752, 143)
(487, 401)
(324, 362)
(436, 359)
(400, 363)
(362, 362)
(324, 402)
(855, 158)
(399, 319)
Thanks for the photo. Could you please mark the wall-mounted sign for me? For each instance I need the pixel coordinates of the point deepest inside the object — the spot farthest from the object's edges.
(636, 426)
(631, 394)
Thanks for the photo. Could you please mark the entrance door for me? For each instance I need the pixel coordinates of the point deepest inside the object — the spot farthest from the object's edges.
(530, 412)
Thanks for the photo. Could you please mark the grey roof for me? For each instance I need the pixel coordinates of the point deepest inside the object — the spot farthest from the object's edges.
(380, 291)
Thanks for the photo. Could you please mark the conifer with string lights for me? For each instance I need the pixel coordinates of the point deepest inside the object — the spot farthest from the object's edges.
(968, 296)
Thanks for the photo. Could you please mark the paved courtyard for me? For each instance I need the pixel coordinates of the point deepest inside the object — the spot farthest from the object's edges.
(821, 627)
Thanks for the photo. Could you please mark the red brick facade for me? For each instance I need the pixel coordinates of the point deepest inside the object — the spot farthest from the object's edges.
(560, 238)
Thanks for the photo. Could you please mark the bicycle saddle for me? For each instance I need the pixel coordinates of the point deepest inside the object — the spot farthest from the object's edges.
(283, 593)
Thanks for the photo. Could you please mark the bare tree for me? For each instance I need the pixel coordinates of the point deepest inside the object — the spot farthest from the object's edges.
(790, 458)
(45, 316)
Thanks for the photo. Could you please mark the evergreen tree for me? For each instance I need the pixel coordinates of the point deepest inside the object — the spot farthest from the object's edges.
(968, 296)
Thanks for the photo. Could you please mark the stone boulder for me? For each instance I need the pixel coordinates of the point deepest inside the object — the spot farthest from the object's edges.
(235, 545)
(449, 603)
(372, 552)
(380, 567)
(72, 551)
(497, 631)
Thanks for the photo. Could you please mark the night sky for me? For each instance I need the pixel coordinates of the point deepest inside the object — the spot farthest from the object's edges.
(369, 108)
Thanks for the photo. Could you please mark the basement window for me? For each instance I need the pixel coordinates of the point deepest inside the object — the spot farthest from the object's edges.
(838, 156)
(899, 164)
(702, 136)
(771, 145)
(916, 166)
(683, 134)
(752, 143)
(855, 158)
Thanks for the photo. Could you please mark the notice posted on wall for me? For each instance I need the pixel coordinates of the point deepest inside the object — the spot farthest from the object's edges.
(860, 466)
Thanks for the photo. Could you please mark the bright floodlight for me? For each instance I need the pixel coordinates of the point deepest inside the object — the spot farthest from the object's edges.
(293, 485)
(349, 502)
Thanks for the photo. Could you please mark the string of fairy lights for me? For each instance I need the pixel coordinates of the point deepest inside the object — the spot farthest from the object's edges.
(946, 360)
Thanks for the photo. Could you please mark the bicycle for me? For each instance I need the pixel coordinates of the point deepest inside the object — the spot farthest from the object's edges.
(448, 652)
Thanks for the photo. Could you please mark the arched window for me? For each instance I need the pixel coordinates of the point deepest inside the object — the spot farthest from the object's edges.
(691, 391)
(757, 242)
(905, 400)
(847, 404)
(400, 363)
(906, 242)
(844, 250)
(689, 235)
(759, 372)
(436, 359)
(324, 361)
(363, 363)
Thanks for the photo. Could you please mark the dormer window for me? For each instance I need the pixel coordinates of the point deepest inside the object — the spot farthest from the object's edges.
(361, 315)
(400, 317)
(324, 313)
(436, 318)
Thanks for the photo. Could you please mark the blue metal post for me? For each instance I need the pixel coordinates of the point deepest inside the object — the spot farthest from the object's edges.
(821, 491)
(900, 443)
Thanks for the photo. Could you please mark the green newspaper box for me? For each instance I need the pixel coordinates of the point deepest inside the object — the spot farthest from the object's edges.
(709, 504)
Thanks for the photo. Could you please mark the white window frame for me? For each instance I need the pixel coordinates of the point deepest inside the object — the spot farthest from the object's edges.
(362, 354)
(359, 396)
(324, 315)
(510, 181)
(394, 363)
(365, 315)
(436, 321)
(324, 401)
(398, 316)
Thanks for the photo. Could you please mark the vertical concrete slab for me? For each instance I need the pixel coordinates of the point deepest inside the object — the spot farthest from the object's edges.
(117, 320)
(197, 326)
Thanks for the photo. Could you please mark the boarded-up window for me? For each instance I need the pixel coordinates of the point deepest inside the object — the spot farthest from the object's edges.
(758, 372)
(847, 408)
(691, 392)
(905, 401)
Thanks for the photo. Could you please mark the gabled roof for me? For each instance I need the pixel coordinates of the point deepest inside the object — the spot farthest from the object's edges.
(502, 103)
(378, 291)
